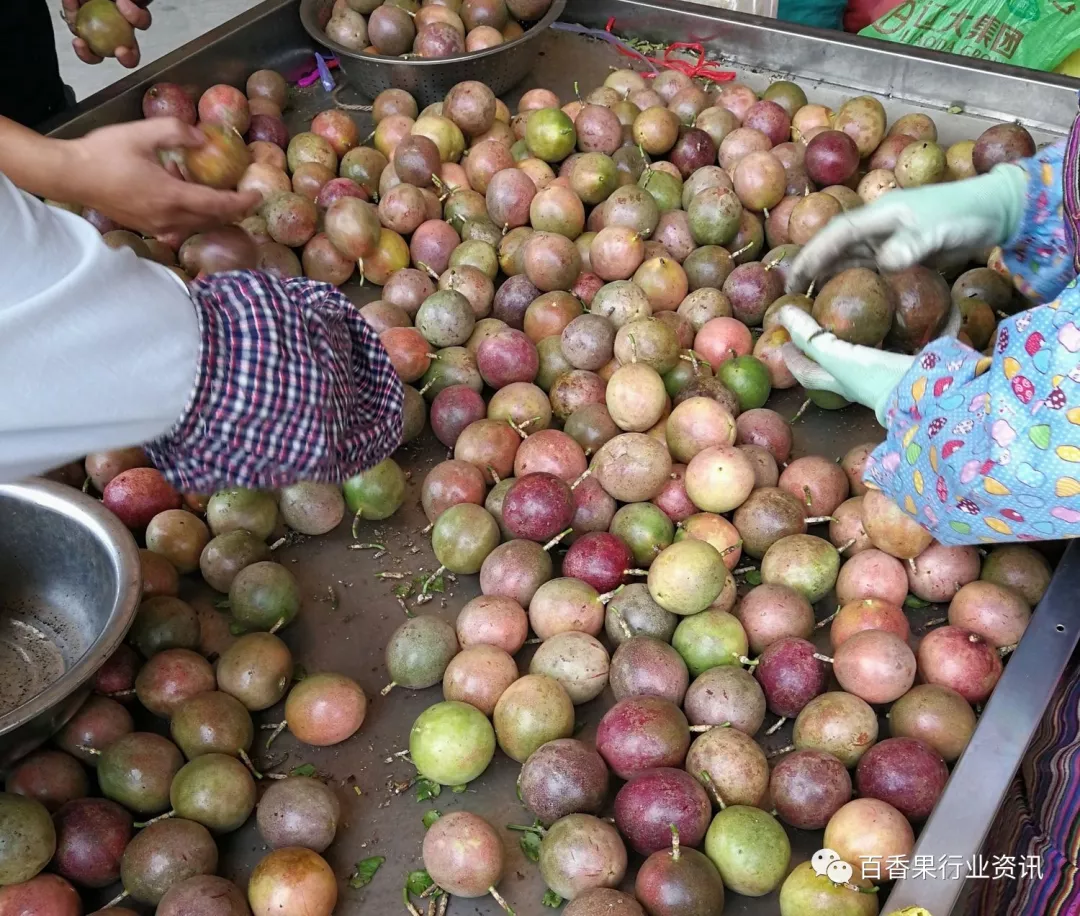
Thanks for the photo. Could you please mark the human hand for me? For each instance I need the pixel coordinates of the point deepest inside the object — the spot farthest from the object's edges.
(904, 228)
(117, 170)
(863, 374)
(132, 11)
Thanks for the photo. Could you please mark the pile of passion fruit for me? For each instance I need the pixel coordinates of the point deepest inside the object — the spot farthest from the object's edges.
(436, 29)
(581, 300)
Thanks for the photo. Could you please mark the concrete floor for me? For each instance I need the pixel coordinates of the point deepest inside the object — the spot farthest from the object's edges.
(176, 22)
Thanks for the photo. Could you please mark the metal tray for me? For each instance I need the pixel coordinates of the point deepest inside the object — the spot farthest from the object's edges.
(349, 633)
(429, 81)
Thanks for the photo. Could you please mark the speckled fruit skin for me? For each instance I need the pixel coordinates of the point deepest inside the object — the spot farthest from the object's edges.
(651, 802)
(642, 733)
(808, 788)
(905, 772)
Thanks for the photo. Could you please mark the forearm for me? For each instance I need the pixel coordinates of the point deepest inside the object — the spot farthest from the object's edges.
(984, 449)
(39, 165)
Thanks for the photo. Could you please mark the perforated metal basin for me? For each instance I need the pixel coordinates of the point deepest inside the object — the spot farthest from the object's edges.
(428, 81)
(69, 587)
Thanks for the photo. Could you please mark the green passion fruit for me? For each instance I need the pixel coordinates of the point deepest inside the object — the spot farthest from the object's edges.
(264, 596)
(452, 743)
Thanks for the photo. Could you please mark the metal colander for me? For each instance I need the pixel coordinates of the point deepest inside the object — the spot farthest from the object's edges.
(428, 81)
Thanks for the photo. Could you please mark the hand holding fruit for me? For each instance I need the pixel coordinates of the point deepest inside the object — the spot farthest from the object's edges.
(904, 228)
(116, 170)
(104, 28)
(863, 374)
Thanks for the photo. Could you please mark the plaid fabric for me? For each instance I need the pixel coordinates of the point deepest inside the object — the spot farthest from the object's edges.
(292, 385)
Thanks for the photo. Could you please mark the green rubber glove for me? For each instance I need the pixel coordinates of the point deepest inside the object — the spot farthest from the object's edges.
(904, 228)
(862, 374)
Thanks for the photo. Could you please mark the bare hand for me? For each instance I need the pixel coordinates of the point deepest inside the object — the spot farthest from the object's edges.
(131, 11)
(117, 170)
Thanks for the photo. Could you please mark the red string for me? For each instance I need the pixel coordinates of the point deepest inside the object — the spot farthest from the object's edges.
(701, 69)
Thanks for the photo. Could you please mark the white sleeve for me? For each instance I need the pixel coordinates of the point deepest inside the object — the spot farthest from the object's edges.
(98, 348)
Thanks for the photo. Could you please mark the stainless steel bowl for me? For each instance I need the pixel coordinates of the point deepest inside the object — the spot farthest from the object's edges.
(429, 81)
(70, 584)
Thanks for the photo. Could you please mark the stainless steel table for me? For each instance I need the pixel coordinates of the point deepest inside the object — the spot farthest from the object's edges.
(348, 635)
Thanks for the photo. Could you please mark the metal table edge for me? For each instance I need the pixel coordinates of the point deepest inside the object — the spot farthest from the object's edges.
(957, 828)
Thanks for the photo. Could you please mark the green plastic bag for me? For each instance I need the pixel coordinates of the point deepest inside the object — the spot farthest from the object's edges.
(1038, 34)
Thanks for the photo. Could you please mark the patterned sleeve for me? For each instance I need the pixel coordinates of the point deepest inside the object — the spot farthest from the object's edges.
(292, 385)
(987, 448)
(1040, 255)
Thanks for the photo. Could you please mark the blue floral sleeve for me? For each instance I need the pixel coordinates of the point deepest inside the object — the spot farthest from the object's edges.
(983, 449)
(1040, 255)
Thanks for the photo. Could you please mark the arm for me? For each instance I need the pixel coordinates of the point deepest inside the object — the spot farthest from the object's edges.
(98, 349)
(1039, 253)
(983, 449)
(116, 170)
(247, 381)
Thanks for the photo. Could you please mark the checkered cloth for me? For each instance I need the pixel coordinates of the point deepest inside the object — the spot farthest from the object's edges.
(292, 385)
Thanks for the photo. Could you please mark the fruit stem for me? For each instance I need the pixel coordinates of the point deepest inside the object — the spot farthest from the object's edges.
(633, 348)
(356, 523)
(154, 820)
(840, 550)
(823, 658)
(119, 898)
(701, 729)
(435, 575)
(120, 694)
(277, 626)
(798, 414)
(277, 730)
(820, 519)
(588, 473)
(711, 787)
(246, 761)
(499, 900)
(911, 565)
(607, 596)
(620, 621)
(554, 542)
(635, 572)
(808, 497)
(413, 911)
(1006, 651)
(827, 620)
(429, 271)
(937, 621)
(676, 854)
(426, 388)
(749, 662)
(773, 729)
(386, 690)
(787, 749)
(732, 548)
(93, 751)
(494, 475)
(810, 289)
(745, 248)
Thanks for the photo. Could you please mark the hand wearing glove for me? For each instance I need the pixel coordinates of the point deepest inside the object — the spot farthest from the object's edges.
(862, 374)
(904, 228)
